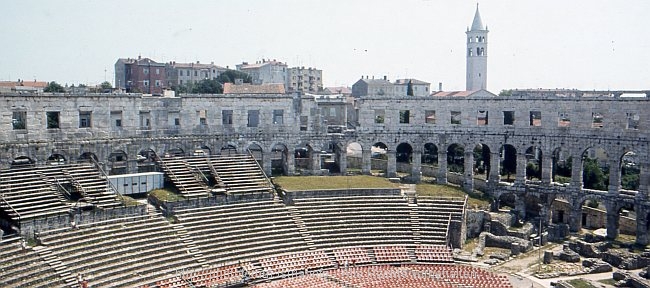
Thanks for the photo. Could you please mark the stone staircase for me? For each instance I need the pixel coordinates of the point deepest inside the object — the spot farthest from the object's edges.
(92, 186)
(179, 171)
(415, 225)
(59, 267)
(295, 216)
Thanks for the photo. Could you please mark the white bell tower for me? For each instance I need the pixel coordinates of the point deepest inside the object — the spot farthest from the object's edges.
(476, 54)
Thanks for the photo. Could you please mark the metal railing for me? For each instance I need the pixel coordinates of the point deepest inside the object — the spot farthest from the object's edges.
(108, 181)
(261, 169)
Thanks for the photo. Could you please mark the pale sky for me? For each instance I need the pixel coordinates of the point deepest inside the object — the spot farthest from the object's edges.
(583, 44)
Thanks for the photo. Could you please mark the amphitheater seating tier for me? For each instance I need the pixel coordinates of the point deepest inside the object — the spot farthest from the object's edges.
(25, 268)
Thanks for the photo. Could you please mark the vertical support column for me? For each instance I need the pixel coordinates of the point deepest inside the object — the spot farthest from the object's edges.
(644, 177)
(343, 161)
(495, 169)
(291, 163)
(520, 178)
(612, 220)
(391, 166)
(575, 219)
(315, 162)
(614, 177)
(468, 179)
(442, 167)
(416, 166)
(547, 167)
(641, 225)
(266, 163)
(366, 161)
(576, 172)
(520, 206)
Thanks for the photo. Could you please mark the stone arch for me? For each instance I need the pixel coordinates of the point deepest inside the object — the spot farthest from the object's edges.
(629, 171)
(403, 152)
(456, 158)
(505, 200)
(279, 157)
(595, 169)
(482, 164)
(174, 152)
(379, 155)
(430, 154)
(592, 211)
(256, 150)
(56, 159)
(354, 153)
(147, 160)
(22, 161)
(534, 165)
(118, 162)
(303, 153)
(202, 150)
(87, 157)
(228, 150)
(508, 155)
(561, 208)
(561, 171)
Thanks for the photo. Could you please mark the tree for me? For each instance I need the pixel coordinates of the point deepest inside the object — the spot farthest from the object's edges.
(106, 85)
(208, 86)
(593, 176)
(509, 161)
(409, 89)
(505, 92)
(54, 87)
(230, 75)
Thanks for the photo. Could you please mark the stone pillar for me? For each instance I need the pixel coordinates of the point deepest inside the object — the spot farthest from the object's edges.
(495, 169)
(416, 166)
(468, 179)
(548, 256)
(547, 168)
(614, 177)
(315, 162)
(520, 206)
(391, 166)
(266, 162)
(576, 172)
(442, 167)
(343, 162)
(520, 178)
(291, 164)
(644, 178)
(366, 161)
(612, 220)
(641, 225)
(575, 219)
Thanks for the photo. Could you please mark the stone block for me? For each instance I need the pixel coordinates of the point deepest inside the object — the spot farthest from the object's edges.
(569, 256)
(548, 257)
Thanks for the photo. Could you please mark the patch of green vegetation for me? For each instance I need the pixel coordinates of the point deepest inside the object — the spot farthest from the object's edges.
(436, 190)
(128, 201)
(296, 183)
(580, 283)
(166, 195)
(562, 179)
(610, 281)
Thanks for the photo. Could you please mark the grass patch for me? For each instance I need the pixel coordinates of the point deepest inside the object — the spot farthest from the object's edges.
(436, 190)
(166, 195)
(128, 201)
(610, 281)
(579, 283)
(296, 183)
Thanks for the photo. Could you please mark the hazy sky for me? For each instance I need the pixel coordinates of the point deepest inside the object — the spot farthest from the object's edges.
(584, 44)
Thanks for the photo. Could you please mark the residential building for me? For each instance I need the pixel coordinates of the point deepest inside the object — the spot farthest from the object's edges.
(345, 91)
(188, 73)
(367, 86)
(301, 79)
(265, 71)
(141, 75)
(22, 86)
(420, 88)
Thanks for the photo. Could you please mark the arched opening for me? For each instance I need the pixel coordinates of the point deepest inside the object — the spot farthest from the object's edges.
(88, 157)
(456, 158)
(534, 163)
(117, 163)
(279, 158)
(508, 155)
(379, 158)
(481, 161)
(56, 159)
(593, 214)
(175, 152)
(22, 161)
(302, 158)
(228, 150)
(202, 151)
(332, 159)
(562, 165)
(403, 157)
(595, 169)
(257, 152)
(560, 210)
(429, 160)
(627, 220)
(146, 160)
(630, 171)
(506, 202)
(354, 152)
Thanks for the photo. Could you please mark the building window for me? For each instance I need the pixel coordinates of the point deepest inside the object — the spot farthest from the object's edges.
(596, 120)
(116, 118)
(455, 117)
(226, 117)
(278, 116)
(145, 83)
(157, 83)
(535, 118)
(196, 73)
(145, 120)
(52, 120)
(180, 72)
(632, 121)
(177, 121)
(430, 116)
(304, 121)
(19, 120)
(85, 119)
(379, 116)
(253, 118)
(563, 119)
(203, 118)
(482, 118)
(157, 71)
(404, 116)
(508, 117)
(145, 71)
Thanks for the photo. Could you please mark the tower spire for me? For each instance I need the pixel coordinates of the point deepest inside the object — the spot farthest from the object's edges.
(477, 24)
(476, 54)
